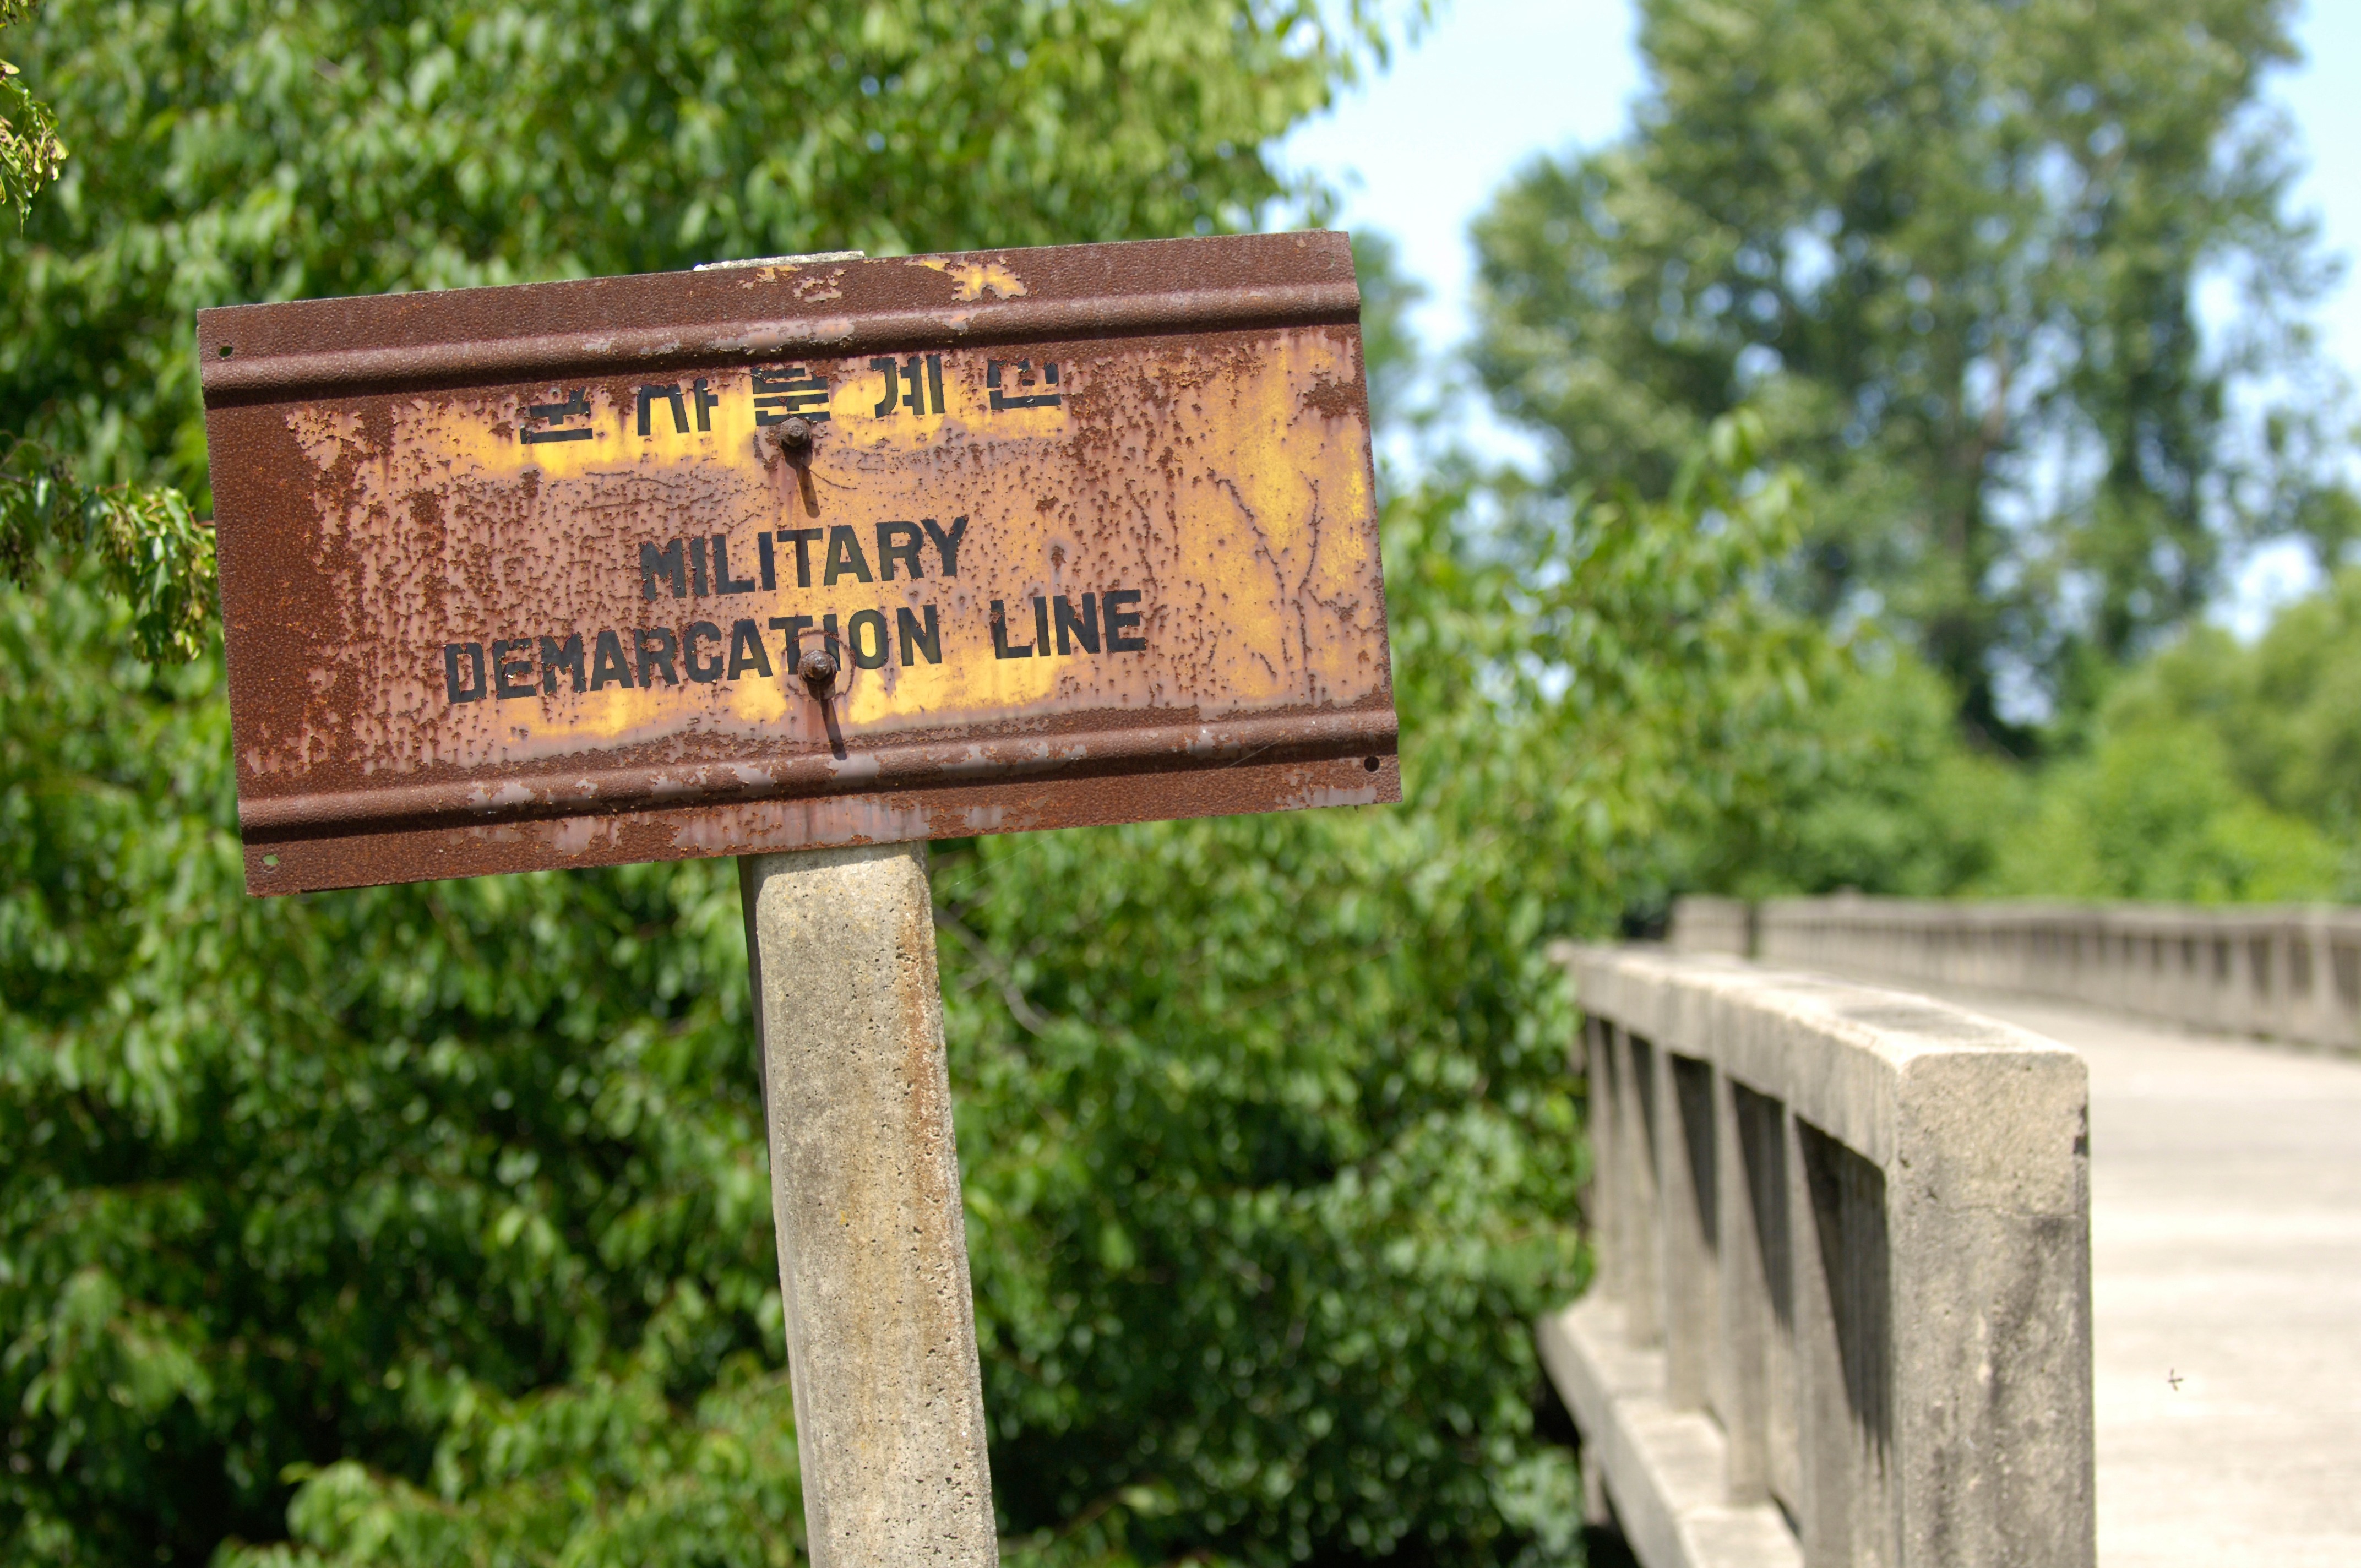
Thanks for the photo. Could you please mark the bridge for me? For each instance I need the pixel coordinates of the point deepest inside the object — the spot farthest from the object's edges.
(1972, 1234)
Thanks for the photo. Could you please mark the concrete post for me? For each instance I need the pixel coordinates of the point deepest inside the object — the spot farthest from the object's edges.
(1608, 1198)
(1752, 1214)
(1636, 1137)
(865, 1193)
(1687, 1190)
(1840, 1278)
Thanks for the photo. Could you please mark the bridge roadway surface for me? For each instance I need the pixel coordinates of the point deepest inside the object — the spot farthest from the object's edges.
(2225, 1236)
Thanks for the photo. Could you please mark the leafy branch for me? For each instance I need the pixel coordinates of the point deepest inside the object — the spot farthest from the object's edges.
(154, 551)
(31, 153)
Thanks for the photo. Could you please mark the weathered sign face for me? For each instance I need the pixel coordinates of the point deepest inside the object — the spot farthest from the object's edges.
(812, 552)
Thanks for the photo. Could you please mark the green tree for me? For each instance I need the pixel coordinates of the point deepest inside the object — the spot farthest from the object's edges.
(1950, 250)
(427, 1224)
(2218, 771)
(31, 153)
(1871, 789)
(444, 1206)
(239, 150)
(2212, 772)
(2286, 710)
(2156, 812)
(1391, 354)
(154, 551)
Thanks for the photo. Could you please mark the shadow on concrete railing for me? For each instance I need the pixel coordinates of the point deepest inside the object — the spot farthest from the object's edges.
(1843, 1309)
(2283, 971)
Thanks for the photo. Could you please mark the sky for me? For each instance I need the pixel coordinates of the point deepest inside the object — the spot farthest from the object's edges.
(1549, 75)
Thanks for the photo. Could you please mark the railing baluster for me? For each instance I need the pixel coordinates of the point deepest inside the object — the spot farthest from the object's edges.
(1754, 1311)
(1686, 1188)
(1644, 1302)
(1603, 1200)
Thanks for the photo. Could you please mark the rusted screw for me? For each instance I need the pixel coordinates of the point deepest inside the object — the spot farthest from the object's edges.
(818, 669)
(795, 439)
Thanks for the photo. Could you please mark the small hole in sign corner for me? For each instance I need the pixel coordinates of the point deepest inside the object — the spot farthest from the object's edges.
(1371, 763)
(271, 862)
(226, 351)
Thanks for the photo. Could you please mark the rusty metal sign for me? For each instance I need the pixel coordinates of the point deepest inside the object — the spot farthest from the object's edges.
(814, 551)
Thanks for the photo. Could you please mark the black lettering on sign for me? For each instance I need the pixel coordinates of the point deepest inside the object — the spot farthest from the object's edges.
(663, 563)
(927, 640)
(1101, 622)
(607, 665)
(874, 621)
(906, 373)
(898, 541)
(746, 651)
(794, 626)
(512, 656)
(767, 559)
(646, 398)
(706, 402)
(844, 555)
(1025, 398)
(656, 647)
(701, 652)
(700, 632)
(1000, 647)
(1119, 623)
(697, 566)
(575, 407)
(780, 394)
(556, 656)
(472, 688)
(946, 544)
(803, 539)
(1085, 629)
(723, 580)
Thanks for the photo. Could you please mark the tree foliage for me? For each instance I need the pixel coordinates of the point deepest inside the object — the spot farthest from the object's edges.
(2156, 812)
(2286, 710)
(2217, 772)
(31, 153)
(241, 150)
(428, 1225)
(1871, 789)
(1307, 1069)
(1951, 250)
(153, 551)
(2213, 772)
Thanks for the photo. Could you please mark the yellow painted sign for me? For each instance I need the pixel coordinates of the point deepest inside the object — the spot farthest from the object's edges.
(575, 619)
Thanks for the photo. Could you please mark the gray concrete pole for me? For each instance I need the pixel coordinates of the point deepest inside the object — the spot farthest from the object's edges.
(864, 1189)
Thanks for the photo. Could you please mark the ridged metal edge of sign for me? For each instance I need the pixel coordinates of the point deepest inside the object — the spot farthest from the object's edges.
(391, 342)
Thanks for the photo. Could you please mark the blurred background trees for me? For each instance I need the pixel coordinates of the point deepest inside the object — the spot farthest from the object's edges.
(429, 1225)
(1950, 253)
(1953, 256)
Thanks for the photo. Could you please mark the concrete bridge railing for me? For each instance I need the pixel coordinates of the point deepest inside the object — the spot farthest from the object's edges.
(1843, 1316)
(2289, 972)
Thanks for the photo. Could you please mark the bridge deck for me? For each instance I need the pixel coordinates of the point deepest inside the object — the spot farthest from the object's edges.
(2225, 1229)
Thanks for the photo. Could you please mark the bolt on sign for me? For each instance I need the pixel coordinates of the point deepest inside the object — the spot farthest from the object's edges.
(807, 551)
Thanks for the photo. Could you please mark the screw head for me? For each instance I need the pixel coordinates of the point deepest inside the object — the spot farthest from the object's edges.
(795, 438)
(818, 669)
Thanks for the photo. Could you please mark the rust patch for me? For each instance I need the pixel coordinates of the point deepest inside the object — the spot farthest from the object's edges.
(489, 623)
(1336, 400)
